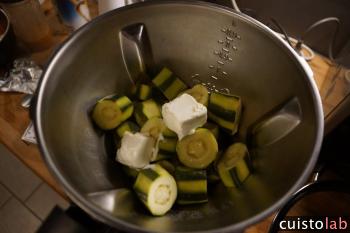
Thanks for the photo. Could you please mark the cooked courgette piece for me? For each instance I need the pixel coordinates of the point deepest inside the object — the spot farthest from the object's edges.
(163, 155)
(146, 110)
(126, 106)
(168, 144)
(200, 93)
(127, 126)
(107, 114)
(158, 96)
(166, 148)
(142, 91)
(169, 133)
(131, 172)
(225, 110)
(156, 188)
(153, 127)
(235, 165)
(191, 185)
(212, 174)
(167, 166)
(169, 84)
(214, 128)
(197, 150)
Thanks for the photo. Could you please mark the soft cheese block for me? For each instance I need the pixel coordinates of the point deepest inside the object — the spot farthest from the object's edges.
(136, 150)
(183, 115)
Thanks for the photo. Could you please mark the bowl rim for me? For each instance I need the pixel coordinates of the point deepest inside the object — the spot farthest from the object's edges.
(2, 36)
(102, 215)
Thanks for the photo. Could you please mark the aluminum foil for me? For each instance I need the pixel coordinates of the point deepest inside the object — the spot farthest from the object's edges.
(23, 77)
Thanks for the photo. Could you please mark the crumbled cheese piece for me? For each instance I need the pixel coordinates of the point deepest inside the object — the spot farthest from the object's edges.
(184, 114)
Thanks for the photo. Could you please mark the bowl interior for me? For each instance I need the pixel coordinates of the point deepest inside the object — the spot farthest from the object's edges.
(200, 43)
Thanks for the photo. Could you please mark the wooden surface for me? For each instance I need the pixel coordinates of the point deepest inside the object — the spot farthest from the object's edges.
(14, 119)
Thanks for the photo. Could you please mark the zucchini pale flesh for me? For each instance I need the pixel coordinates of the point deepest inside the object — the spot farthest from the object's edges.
(235, 165)
(200, 93)
(197, 150)
(156, 188)
(107, 114)
(146, 110)
(127, 126)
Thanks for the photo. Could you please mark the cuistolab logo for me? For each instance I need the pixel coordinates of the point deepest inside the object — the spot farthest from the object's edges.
(315, 223)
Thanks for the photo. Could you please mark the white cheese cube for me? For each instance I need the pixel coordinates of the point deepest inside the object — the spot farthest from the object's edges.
(136, 150)
(183, 115)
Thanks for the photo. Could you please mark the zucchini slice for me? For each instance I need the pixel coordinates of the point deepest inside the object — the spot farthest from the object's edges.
(212, 174)
(127, 126)
(142, 91)
(131, 172)
(200, 93)
(126, 106)
(191, 185)
(153, 127)
(156, 188)
(146, 110)
(166, 148)
(169, 133)
(107, 114)
(197, 150)
(170, 85)
(214, 128)
(235, 165)
(167, 166)
(225, 110)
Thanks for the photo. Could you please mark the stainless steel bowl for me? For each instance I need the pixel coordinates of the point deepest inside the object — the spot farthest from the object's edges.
(282, 118)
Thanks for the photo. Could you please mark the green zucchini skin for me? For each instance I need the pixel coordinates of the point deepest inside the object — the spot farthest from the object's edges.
(127, 126)
(212, 174)
(156, 188)
(214, 128)
(170, 85)
(167, 166)
(191, 185)
(168, 145)
(225, 110)
(130, 172)
(235, 165)
(124, 103)
(146, 110)
(142, 91)
(126, 106)
(169, 133)
(166, 149)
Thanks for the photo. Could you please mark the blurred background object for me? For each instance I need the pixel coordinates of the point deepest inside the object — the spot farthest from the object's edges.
(74, 13)
(325, 28)
(107, 5)
(7, 41)
(29, 24)
(296, 16)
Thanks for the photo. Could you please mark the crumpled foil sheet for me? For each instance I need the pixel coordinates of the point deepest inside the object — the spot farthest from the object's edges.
(23, 77)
